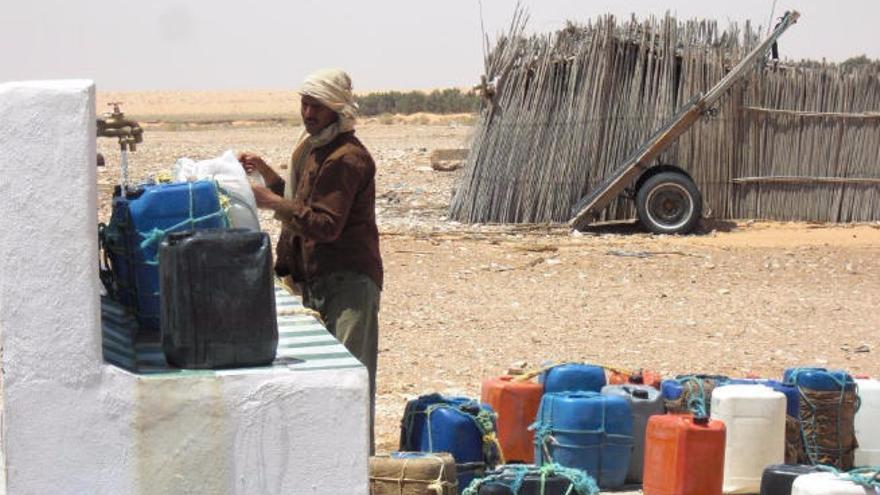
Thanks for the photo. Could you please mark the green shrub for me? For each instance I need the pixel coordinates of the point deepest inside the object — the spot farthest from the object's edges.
(405, 103)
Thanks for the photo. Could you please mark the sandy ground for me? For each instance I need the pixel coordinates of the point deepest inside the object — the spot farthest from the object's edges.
(465, 302)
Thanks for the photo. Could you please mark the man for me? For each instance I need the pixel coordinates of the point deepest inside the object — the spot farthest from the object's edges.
(329, 242)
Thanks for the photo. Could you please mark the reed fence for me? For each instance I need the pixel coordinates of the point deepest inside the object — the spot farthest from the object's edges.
(789, 142)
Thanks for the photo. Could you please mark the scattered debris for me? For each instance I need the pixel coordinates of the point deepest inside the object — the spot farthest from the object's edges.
(517, 368)
(648, 254)
(448, 160)
(536, 248)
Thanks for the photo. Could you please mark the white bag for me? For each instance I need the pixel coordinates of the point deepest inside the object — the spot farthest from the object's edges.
(233, 182)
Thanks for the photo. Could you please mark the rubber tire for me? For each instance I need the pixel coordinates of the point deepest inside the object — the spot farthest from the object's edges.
(687, 192)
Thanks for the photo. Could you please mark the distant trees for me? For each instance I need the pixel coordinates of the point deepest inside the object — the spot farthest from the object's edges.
(437, 101)
(859, 62)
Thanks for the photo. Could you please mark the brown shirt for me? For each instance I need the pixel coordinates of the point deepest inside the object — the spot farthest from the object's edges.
(330, 225)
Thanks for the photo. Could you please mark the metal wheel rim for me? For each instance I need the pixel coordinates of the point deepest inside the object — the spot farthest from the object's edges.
(669, 192)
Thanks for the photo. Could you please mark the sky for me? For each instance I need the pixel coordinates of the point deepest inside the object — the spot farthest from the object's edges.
(383, 44)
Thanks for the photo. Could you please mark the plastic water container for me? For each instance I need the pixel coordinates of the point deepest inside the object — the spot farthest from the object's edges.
(867, 424)
(413, 473)
(516, 405)
(645, 401)
(755, 420)
(525, 480)
(827, 416)
(678, 393)
(137, 226)
(683, 455)
(828, 484)
(670, 389)
(218, 299)
(638, 377)
(778, 478)
(457, 425)
(792, 397)
(821, 379)
(745, 381)
(792, 414)
(573, 378)
(586, 431)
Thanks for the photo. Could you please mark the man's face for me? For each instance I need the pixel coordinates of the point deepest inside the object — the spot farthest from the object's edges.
(315, 115)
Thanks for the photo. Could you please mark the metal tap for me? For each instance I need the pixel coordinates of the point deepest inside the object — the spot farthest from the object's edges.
(114, 124)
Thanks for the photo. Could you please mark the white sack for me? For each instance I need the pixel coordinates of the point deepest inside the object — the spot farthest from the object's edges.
(232, 180)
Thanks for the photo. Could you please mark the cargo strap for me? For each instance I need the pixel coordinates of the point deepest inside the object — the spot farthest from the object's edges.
(156, 235)
(809, 439)
(512, 477)
(437, 486)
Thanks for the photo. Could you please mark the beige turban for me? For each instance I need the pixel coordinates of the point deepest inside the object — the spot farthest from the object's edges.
(332, 87)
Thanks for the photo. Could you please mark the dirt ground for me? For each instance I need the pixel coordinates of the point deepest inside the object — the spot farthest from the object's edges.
(465, 302)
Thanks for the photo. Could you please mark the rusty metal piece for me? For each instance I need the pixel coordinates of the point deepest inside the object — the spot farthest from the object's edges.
(115, 125)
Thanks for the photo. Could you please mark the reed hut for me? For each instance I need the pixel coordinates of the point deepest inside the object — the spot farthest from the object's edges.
(789, 141)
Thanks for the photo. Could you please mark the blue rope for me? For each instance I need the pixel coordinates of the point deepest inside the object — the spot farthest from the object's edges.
(696, 402)
(156, 235)
(512, 476)
(868, 477)
(483, 419)
(811, 442)
(544, 429)
(697, 399)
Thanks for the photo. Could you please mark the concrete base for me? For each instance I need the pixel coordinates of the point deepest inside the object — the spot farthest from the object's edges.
(72, 424)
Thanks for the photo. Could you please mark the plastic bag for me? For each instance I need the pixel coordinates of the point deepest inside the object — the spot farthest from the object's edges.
(233, 182)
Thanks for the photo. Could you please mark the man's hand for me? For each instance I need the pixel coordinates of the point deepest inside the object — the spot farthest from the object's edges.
(252, 162)
(266, 199)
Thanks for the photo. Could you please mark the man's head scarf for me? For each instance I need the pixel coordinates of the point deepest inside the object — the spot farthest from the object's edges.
(332, 87)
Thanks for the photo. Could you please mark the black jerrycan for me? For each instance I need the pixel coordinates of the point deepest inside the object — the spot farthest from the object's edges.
(531, 485)
(778, 478)
(217, 299)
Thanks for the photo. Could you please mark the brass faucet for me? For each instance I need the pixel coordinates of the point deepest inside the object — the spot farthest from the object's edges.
(114, 124)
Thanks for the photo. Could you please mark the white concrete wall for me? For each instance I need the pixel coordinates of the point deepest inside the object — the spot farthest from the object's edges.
(273, 434)
(73, 425)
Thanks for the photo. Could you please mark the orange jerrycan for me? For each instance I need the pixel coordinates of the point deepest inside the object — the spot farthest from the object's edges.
(516, 405)
(638, 377)
(684, 455)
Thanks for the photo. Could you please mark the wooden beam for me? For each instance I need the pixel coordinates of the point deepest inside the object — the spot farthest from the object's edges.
(785, 179)
(832, 115)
